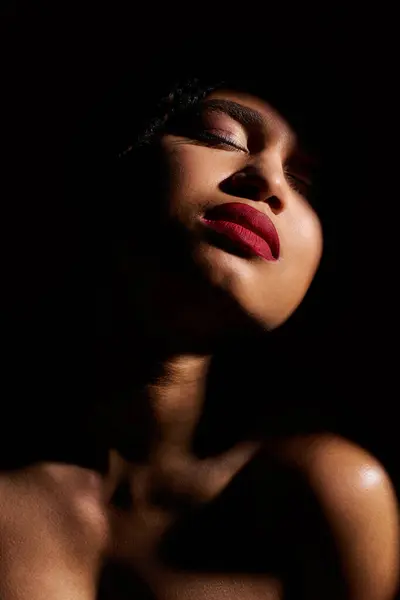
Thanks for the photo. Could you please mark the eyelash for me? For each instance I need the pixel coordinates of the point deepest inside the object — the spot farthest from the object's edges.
(221, 140)
(296, 183)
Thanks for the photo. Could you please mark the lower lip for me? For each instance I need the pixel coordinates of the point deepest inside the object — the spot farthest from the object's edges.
(242, 238)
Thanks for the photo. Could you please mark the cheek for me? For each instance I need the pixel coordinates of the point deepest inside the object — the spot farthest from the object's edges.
(194, 178)
(305, 232)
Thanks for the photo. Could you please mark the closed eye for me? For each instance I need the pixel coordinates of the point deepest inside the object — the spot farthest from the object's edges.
(302, 185)
(192, 125)
(212, 139)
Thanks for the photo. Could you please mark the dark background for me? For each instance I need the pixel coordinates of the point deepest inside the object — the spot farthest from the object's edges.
(343, 368)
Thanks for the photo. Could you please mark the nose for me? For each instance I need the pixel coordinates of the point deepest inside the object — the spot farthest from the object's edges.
(259, 184)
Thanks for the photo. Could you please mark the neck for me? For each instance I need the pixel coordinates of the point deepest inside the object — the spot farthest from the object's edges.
(160, 400)
(176, 398)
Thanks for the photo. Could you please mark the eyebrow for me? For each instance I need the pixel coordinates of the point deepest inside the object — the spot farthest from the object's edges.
(243, 114)
(246, 116)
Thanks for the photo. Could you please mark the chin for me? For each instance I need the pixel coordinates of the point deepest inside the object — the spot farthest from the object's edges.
(265, 319)
(260, 293)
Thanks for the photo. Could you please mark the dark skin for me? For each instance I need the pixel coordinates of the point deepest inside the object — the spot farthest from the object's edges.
(164, 522)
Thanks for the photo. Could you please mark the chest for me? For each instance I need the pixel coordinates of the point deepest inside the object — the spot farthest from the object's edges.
(122, 583)
(218, 533)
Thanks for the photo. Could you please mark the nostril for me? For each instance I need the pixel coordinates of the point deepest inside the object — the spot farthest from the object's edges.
(243, 189)
(248, 190)
(274, 203)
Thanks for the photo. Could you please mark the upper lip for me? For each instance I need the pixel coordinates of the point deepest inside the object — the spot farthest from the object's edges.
(249, 217)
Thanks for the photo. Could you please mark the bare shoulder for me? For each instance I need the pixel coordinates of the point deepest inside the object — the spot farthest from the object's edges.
(53, 527)
(359, 506)
(74, 489)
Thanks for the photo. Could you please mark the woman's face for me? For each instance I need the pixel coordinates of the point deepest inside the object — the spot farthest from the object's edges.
(235, 152)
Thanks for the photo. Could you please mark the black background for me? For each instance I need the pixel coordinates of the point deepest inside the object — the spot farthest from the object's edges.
(344, 368)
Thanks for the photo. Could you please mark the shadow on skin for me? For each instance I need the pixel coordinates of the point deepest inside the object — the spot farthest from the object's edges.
(119, 582)
(255, 527)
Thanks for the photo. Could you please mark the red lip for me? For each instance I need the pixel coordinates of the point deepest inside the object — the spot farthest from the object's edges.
(246, 226)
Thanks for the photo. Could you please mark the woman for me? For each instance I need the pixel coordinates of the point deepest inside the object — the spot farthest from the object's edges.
(214, 240)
